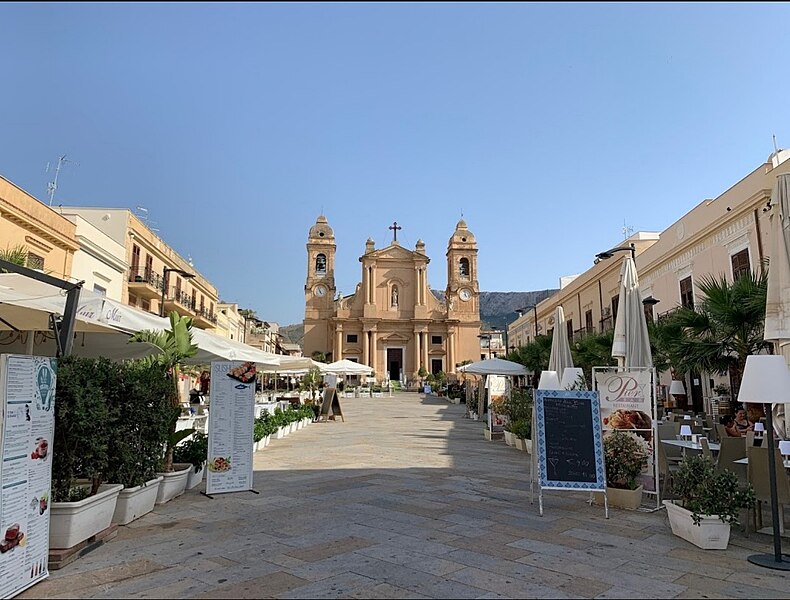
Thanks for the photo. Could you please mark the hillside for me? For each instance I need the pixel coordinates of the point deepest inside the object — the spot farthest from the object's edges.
(497, 310)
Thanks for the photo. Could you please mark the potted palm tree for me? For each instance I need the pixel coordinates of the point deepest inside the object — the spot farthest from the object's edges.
(625, 456)
(175, 345)
(710, 502)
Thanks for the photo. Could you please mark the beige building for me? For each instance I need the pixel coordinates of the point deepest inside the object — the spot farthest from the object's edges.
(153, 267)
(726, 236)
(230, 323)
(393, 322)
(49, 238)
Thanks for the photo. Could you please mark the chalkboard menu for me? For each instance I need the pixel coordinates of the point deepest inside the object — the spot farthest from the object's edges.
(570, 442)
(330, 405)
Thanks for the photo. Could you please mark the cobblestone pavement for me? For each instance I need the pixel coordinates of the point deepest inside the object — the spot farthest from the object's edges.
(404, 500)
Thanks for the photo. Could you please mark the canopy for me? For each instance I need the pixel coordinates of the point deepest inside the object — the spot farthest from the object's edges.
(631, 344)
(560, 357)
(777, 306)
(347, 367)
(493, 366)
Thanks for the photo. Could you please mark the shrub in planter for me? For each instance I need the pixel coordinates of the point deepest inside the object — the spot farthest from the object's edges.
(195, 451)
(626, 457)
(82, 426)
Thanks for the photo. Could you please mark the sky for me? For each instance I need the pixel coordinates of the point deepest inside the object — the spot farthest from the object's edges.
(549, 127)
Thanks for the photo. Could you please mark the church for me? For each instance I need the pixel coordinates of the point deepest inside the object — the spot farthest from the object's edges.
(393, 322)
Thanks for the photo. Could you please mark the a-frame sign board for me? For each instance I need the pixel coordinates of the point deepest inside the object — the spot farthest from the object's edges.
(330, 406)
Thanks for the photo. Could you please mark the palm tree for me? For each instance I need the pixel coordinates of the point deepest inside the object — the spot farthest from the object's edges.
(175, 345)
(593, 350)
(16, 255)
(534, 356)
(723, 330)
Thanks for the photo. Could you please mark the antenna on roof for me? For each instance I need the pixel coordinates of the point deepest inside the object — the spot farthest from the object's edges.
(776, 148)
(628, 231)
(52, 186)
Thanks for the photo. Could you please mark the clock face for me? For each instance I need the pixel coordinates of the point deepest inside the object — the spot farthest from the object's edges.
(464, 294)
(320, 291)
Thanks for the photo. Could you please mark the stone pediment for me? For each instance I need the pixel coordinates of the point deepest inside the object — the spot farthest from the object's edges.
(395, 252)
(396, 337)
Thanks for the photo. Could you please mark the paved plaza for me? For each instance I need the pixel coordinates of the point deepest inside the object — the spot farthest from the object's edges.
(405, 499)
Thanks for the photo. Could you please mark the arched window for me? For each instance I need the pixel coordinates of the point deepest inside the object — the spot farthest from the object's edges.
(320, 263)
(464, 267)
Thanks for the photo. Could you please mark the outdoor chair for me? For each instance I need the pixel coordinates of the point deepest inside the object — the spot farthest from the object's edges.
(665, 471)
(706, 451)
(732, 449)
(721, 432)
(758, 476)
(749, 439)
(670, 431)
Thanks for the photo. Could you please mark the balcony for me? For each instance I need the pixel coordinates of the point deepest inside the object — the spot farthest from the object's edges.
(144, 283)
(178, 301)
(204, 319)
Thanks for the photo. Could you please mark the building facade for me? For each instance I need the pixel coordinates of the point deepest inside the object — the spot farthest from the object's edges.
(725, 236)
(151, 263)
(49, 239)
(393, 322)
(230, 323)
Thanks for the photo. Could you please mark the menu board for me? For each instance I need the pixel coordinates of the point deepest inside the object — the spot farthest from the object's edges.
(27, 424)
(230, 427)
(570, 444)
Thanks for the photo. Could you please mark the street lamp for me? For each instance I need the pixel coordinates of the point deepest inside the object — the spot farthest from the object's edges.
(533, 307)
(610, 253)
(651, 302)
(165, 271)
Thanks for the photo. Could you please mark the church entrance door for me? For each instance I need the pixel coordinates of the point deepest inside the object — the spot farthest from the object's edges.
(394, 363)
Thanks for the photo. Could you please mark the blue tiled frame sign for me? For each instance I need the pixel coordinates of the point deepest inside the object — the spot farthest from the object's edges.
(570, 441)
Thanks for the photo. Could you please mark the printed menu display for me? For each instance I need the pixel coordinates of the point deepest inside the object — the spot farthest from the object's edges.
(27, 424)
(230, 427)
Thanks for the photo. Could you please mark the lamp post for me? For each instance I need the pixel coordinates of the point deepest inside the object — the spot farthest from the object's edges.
(533, 307)
(607, 254)
(165, 271)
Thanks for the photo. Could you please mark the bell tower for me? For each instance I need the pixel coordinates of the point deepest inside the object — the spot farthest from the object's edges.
(463, 292)
(319, 289)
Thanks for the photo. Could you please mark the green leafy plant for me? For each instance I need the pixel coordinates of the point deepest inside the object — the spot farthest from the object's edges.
(704, 491)
(626, 456)
(721, 389)
(522, 428)
(193, 451)
(15, 254)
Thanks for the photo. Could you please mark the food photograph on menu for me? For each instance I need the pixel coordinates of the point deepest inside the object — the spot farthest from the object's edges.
(245, 373)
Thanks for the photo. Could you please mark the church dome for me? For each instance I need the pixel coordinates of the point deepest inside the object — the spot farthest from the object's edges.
(462, 234)
(321, 229)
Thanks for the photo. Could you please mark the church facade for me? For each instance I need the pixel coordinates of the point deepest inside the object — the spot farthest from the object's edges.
(393, 322)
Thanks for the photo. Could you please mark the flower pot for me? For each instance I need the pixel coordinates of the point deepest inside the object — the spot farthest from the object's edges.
(135, 502)
(279, 434)
(510, 438)
(74, 522)
(194, 479)
(711, 534)
(524, 445)
(266, 440)
(174, 483)
(299, 424)
(625, 499)
(292, 426)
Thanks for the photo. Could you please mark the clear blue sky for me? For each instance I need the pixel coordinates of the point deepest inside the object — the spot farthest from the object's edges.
(236, 124)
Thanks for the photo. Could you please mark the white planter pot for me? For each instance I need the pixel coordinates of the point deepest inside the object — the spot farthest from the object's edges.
(266, 440)
(299, 424)
(711, 534)
(173, 484)
(74, 522)
(135, 502)
(293, 426)
(510, 439)
(625, 499)
(194, 479)
(280, 434)
(523, 444)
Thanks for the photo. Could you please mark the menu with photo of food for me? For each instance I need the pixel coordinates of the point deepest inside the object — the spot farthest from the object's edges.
(27, 424)
(230, 424)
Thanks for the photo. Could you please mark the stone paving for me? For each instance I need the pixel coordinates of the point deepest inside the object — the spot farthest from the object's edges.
(404, 500)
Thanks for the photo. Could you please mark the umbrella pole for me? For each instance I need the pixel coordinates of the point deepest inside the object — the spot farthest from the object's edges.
(777, 561)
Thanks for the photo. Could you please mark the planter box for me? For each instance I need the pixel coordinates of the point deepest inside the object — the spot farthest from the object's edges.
(710, 534)
(292, 426)
(279, 434)
(74, 522)
(524, 445)
(492, 436)
(195, 479)
(135, 502)
(625, 499)
(174, 484)
(510, 439)
(378, 395)
(266, 440)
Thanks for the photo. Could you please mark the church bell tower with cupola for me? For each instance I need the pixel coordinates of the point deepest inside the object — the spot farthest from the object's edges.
(463, 291)
(319, 289)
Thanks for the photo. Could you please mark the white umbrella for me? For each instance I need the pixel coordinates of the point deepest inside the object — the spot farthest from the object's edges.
(493, 366)
(631, 345)
(777, 306)
(560, 357)
(348, 367)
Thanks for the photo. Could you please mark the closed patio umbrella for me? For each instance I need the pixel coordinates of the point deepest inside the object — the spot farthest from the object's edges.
(777, 306)
(560, 357)
(631, 345)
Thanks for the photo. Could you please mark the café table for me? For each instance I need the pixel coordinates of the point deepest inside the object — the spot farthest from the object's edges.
(689, 445)
(745, 461)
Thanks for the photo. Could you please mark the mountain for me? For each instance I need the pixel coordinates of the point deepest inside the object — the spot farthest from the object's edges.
(497, 310)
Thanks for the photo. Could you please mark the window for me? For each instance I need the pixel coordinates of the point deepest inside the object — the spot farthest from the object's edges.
(740, 264)
(178, 288)
(436, 365)
(132, 300)
(34, 261)
(99, 289)
(351, 338)
(615, 306)
(436, 339)
(588, 322)
(149, 267)
(463, 267)
(320, 263)
(202, 304)
(687, 293)
(147, 305)
(569, 324)
(194, 297)
(135, 258)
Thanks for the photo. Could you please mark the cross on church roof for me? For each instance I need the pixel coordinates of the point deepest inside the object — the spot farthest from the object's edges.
(395, 227)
